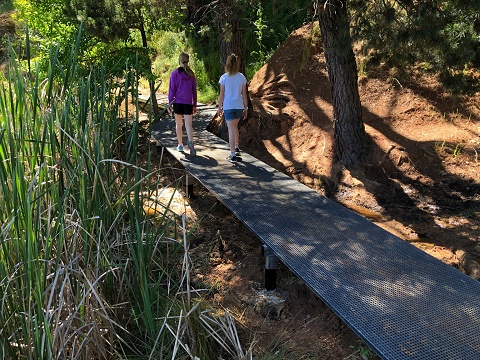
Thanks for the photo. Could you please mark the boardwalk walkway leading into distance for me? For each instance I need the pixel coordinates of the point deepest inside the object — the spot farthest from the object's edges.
(402, 302)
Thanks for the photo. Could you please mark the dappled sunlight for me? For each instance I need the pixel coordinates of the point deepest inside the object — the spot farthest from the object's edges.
(422, 166)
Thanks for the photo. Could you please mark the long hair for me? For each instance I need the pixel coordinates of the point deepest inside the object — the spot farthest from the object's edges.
(232, 64)
(183, 59)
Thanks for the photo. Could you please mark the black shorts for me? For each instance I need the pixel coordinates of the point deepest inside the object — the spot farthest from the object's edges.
(182, 109)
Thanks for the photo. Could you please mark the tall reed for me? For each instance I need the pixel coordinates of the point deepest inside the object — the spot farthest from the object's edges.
(65, 212)
(83, 273)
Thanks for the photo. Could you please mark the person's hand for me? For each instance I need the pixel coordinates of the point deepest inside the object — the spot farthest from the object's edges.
(169, 109)
(220, 113)
(194, 109)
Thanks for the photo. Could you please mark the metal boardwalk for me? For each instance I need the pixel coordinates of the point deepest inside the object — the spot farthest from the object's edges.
(402, 302)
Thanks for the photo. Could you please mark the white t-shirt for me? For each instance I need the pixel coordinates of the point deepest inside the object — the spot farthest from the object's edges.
(233, 90)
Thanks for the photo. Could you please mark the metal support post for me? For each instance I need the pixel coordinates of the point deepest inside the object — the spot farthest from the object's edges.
(189, 183)
(270, 268)
(160, 150)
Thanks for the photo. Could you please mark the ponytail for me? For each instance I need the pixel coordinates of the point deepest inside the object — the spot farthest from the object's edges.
(183, 60)
(189, 71)
(232, 65)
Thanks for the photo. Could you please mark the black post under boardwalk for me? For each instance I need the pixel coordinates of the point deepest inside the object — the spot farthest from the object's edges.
(403, 302)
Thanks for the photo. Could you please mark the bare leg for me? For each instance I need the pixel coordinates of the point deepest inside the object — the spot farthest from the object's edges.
(188, 126)
(232, 133)
(179, 128)
(236, 133)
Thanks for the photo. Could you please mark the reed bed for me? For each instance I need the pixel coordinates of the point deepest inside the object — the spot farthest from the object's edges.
(84, 274)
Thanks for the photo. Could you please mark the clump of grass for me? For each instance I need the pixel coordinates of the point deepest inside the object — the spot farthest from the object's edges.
(457, 151)
(363, 352)
(312, 40)
(55, 194)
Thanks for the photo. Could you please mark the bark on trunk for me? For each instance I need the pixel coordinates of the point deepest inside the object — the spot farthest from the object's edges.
(193, 12)
(151, 81)
(350, 139)
(230, 42)
(230, 33)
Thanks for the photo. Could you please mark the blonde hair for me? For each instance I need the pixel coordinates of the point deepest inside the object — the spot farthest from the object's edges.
(184, 59)
(232, 64)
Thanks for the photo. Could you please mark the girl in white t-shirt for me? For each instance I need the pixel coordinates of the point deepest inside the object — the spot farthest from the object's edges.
(233, 102)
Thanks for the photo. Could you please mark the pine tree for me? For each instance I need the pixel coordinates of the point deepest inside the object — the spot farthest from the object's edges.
(350, 139)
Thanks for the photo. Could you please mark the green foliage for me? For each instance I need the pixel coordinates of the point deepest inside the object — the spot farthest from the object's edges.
(113, 35)
(269, 23)
(90, 52)
(276, 20)
(47, 28)
(444, 34)
(115, 55)
(46, 21)
(6, 5)
(265, 24)
(258, 56)
(364, 352)
(115, 19)
(204, 44)
(457, 150)
(169, 45)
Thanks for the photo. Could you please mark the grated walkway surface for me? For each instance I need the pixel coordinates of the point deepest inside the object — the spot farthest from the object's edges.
(402, 302)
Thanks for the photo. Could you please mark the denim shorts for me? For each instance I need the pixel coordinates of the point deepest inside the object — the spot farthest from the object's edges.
(232, 114)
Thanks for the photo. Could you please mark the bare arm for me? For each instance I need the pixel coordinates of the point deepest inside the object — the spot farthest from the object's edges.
(245, 99)
(220, 100)
(194, 91)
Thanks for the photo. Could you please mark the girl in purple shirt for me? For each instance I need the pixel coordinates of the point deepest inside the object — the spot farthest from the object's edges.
(182, 97)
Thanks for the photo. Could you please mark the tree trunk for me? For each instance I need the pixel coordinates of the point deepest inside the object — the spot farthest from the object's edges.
(230, 42)
(230, 33)
(193, 12)
(350, 139)
(151, 81)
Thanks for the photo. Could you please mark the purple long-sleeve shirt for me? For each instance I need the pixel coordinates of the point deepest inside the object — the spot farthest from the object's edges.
(182, 88)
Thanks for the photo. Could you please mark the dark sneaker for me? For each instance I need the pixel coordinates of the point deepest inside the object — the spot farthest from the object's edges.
(193, 152)
(232, 158)
(237, 151)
